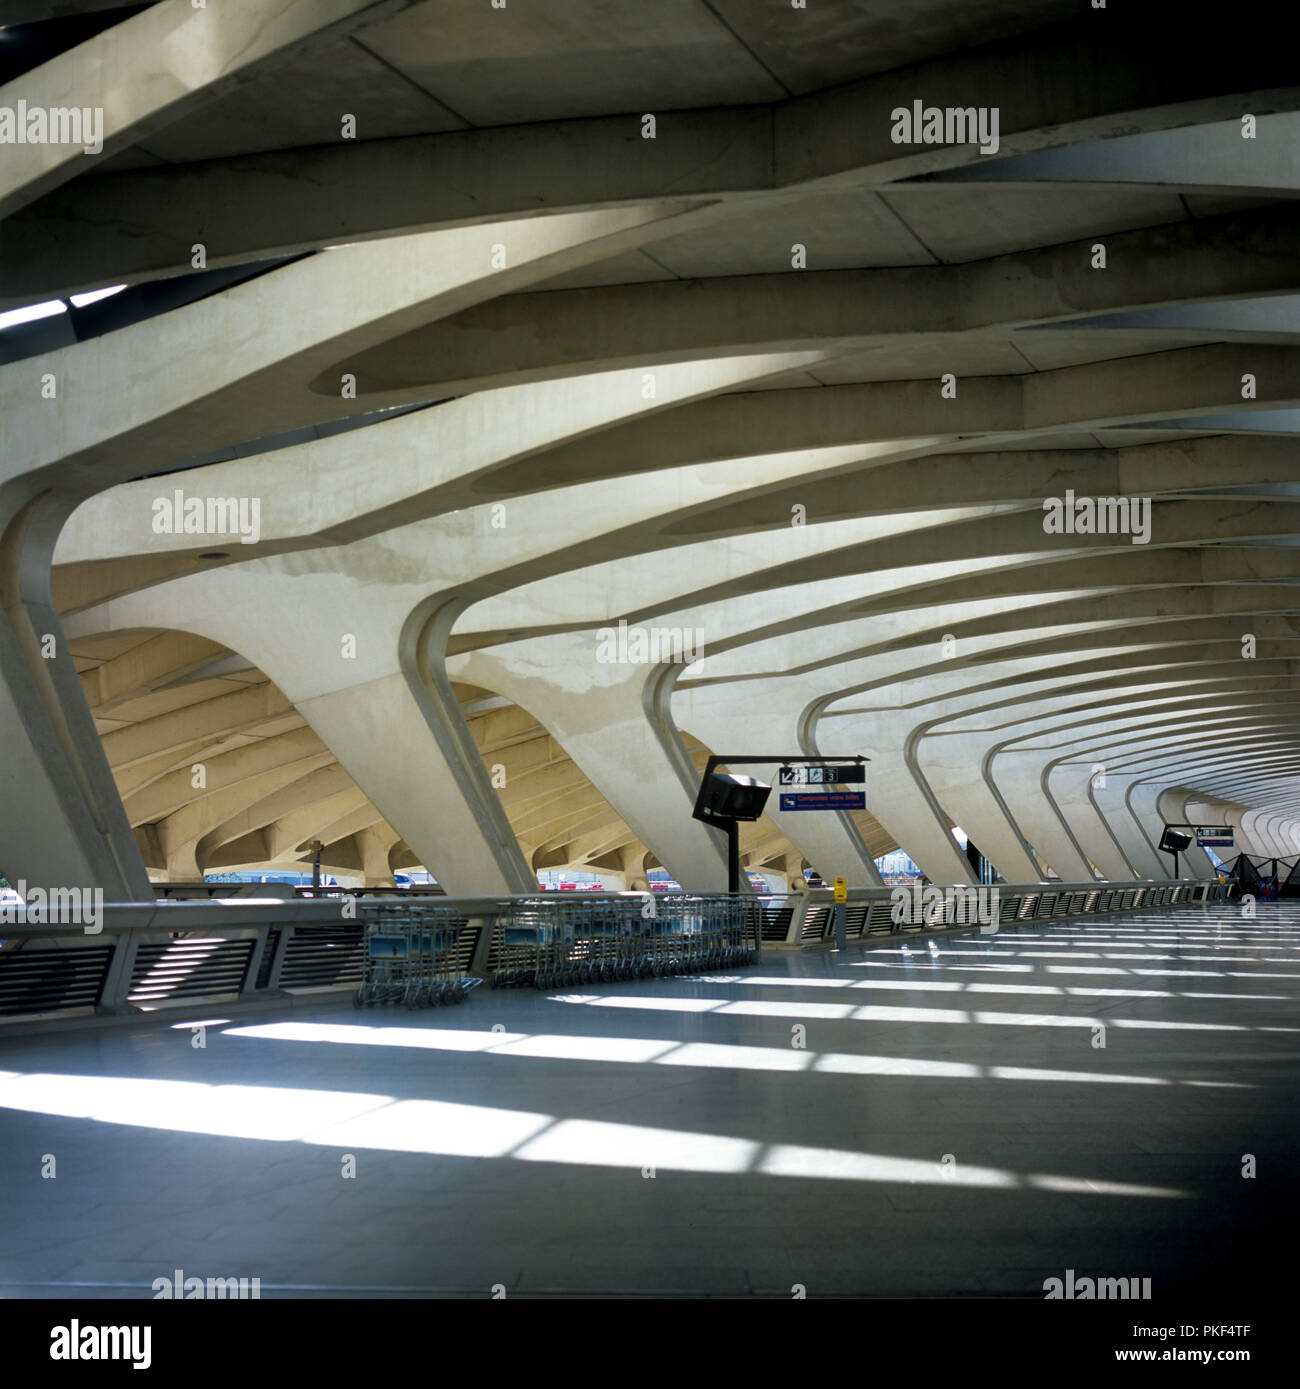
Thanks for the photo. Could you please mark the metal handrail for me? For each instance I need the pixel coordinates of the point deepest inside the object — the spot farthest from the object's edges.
(165, 951)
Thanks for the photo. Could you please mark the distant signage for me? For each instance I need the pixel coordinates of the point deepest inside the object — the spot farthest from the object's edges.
(823, 800)
(1205, 836)
(841, 775)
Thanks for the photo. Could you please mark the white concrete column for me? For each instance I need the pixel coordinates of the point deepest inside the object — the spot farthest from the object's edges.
(896, 800)
(954, 767)
(1112, 806)
(1019, 778)
(1069, 784)
(374, 844)
(1258, 825)
(61, 819)
(598, 712)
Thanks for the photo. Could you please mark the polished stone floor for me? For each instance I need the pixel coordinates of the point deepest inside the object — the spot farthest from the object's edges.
(964, 1119)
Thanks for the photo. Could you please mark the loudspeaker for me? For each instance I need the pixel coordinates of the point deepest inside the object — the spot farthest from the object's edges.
(734, 797)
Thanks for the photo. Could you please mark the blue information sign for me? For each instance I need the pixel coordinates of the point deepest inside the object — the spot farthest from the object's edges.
(824, 800)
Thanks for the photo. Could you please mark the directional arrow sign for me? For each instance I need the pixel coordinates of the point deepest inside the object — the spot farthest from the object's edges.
(823, 776)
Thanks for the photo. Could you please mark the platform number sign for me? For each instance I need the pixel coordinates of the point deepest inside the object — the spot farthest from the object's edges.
(842, 775)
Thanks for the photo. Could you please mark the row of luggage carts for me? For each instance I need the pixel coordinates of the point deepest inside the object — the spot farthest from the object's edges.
(413, 956)
(543, 942)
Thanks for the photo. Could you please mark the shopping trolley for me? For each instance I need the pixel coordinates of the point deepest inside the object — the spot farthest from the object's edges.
(524, 945)
(546, 943)
(708, 933)
(412, 956)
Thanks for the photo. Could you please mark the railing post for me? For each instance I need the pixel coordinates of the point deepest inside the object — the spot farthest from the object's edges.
(483, 946)
(795, 934)
(117, 982)
(277, 960)
(248, 985)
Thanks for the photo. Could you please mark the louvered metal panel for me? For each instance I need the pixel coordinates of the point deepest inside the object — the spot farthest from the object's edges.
(47, 981)
(188, 968)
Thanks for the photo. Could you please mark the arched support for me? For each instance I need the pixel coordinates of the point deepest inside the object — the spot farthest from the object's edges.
(61, 819)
